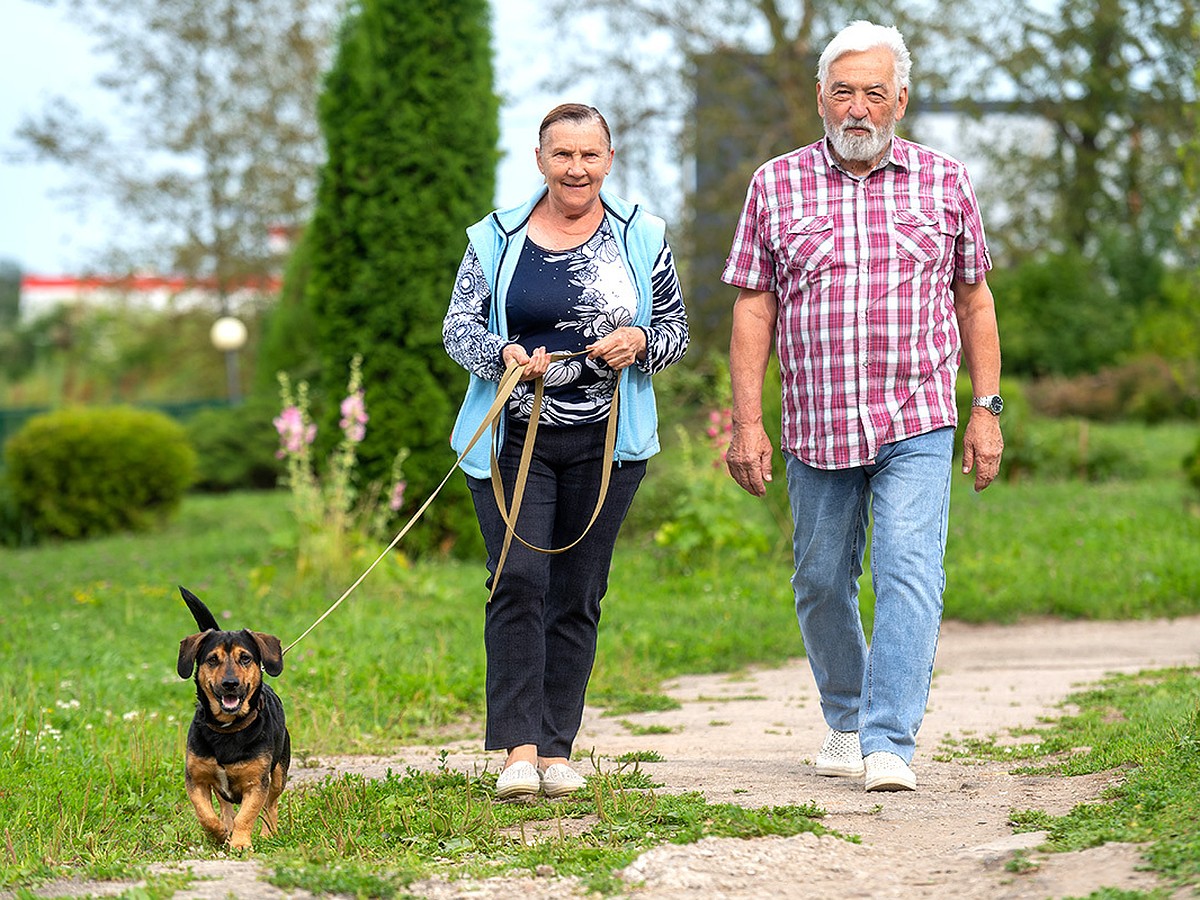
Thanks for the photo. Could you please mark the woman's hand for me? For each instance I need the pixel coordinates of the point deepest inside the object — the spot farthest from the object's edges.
(535, 365)
(621, 348)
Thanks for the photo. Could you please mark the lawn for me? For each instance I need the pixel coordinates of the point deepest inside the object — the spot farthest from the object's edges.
(94, 714)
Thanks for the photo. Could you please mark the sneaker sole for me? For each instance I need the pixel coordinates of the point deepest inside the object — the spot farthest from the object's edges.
(554, 792)
(840, 770)
(519, 791)
(891, 783)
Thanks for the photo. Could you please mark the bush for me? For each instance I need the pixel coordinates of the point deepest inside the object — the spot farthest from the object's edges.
(1191, 468)
(11, 532)
(1148, 389)
(401, 181)
(82, 472)
(235, 447)
(1057, 317)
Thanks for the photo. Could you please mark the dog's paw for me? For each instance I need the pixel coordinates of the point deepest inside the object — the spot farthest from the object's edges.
(240, 843)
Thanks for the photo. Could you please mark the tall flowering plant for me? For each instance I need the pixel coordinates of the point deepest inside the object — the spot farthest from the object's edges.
(335, 516)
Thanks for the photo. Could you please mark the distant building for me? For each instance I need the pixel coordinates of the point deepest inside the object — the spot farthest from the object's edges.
(42, 293)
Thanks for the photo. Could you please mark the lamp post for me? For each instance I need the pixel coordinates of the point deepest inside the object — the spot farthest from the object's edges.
(228, 335)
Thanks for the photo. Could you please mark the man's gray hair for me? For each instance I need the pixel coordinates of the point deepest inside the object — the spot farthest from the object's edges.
(860, 36)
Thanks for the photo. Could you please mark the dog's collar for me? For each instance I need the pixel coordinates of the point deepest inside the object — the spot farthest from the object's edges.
(236, 725)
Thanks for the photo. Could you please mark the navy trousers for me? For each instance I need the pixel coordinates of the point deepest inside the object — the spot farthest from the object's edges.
(541, 625)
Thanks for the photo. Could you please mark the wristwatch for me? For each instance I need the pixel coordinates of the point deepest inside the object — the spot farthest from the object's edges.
(993, 403)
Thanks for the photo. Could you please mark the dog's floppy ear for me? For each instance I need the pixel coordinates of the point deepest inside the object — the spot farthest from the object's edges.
(271, 651)
(188, 648)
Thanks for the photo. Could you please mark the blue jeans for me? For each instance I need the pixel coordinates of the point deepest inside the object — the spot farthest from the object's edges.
(880, 691)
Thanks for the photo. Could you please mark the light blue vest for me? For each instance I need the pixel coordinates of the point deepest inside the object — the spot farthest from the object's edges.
(497, 241)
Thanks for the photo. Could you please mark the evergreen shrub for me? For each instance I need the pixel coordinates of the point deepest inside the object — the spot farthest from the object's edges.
(411, 125)
(82, 472)
(11, 532)
(235, 447)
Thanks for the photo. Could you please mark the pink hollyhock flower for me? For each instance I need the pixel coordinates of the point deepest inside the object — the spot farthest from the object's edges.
(294, 436)
(354, 417)
(396, 500)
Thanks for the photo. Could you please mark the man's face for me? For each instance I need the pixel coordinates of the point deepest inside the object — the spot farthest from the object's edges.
(860, 105)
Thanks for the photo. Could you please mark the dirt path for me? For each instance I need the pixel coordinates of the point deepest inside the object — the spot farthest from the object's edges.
(749, 740)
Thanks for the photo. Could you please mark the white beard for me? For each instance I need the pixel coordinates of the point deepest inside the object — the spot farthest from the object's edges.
(865, 148)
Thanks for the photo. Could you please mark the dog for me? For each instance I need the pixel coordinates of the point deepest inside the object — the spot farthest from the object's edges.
(238, 745)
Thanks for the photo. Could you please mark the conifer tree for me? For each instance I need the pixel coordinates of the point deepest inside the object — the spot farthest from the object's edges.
(410, 119)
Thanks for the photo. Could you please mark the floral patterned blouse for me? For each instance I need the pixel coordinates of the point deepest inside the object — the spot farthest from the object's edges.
(564, 300)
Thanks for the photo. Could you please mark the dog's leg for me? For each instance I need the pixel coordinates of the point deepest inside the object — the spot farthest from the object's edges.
(252, 782)
(243, 825)
(270, 813)
(270, 817)
(201, 797)
(227, 815)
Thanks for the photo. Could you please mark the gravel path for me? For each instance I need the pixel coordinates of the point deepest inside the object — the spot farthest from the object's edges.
(749, 740)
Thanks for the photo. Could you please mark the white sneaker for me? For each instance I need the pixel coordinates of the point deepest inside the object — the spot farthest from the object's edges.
(840, 756)
(888, 772)
(520, 780)
(559, 780)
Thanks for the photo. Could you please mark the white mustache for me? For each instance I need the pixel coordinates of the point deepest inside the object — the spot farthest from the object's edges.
(858, 123)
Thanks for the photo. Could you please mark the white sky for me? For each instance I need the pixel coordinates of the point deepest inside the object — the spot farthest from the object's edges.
(45, 55)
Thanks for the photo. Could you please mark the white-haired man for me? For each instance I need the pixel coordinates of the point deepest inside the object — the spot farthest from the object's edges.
(862, 258)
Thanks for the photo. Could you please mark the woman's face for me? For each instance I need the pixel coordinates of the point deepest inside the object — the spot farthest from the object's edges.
(574, 159)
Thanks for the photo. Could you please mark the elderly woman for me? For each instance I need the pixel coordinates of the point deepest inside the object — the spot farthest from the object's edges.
(574, 269)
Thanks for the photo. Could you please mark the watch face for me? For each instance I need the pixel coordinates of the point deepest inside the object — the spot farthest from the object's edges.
(996, 404)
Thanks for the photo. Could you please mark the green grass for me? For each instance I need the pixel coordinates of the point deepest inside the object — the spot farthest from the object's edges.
(93, 716)
(1146, 726)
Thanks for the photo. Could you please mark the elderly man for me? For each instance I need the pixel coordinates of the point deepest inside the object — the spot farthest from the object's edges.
(862, 258)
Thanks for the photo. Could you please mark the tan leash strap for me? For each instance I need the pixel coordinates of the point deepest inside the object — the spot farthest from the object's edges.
(510, 512)
(508, 382)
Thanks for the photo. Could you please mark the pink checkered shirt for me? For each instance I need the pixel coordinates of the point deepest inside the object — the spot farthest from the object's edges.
(863, 271)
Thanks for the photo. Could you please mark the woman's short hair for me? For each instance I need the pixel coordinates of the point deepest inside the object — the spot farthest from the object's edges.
(860, 36)
(576, 114)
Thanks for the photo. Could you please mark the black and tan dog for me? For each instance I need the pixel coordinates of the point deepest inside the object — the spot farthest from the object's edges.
(238, 745)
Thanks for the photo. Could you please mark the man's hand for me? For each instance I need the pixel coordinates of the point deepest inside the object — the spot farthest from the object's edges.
(983, 445)
(749, 457)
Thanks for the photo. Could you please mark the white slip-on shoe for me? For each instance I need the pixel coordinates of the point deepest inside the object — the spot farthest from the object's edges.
(559, 780)
(518, 781)
(840, 756)
(888, 772)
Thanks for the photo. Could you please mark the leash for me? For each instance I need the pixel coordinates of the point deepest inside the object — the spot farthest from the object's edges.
(508, 512)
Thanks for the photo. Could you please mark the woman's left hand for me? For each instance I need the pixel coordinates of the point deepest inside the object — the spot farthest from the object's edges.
(621, 348)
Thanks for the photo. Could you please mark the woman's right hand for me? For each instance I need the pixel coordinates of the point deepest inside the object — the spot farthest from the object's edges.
(535, 364)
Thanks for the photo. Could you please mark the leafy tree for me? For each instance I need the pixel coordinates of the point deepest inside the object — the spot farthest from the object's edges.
(716, 87)
(1079, 100)
(1105, 82)
(218, 139)
(411, 125)
(15, 351)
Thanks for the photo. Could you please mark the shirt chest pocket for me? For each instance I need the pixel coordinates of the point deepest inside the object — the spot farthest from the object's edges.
(809, 243)
(920, 236)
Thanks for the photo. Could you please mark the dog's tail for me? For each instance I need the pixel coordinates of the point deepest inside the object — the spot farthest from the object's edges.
(204, 619)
